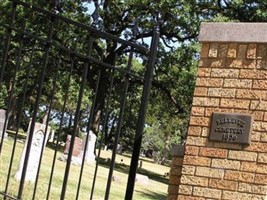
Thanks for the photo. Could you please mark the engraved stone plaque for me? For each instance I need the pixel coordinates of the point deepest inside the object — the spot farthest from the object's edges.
(231, 128)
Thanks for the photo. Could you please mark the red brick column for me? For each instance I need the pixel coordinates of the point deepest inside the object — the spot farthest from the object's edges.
(175, 171)
(232, 78)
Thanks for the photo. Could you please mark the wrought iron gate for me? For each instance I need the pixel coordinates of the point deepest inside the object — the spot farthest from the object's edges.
(41, 71)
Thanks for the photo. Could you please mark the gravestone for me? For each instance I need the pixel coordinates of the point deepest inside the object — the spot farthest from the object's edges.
(90, 156)
(2, 122)
(35, 152)
(52, 136)
(116, 178)
(77, 148)
(142, 179)
(119, 149)
(140, 164)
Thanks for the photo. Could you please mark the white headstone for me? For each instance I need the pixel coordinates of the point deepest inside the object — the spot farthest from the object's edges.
(52, 136)
(89, 156)
(35, 152)
(141, 179)
(2, 122)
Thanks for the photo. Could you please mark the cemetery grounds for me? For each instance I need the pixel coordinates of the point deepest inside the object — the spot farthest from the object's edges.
(155, 189)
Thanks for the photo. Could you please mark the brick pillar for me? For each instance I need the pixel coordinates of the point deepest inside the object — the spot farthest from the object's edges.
(232, 78)
(175, 171)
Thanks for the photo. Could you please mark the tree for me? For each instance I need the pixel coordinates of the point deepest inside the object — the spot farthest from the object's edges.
(25, 57)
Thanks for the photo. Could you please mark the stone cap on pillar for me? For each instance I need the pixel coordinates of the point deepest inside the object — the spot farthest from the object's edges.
(178, 150)
(233, 32)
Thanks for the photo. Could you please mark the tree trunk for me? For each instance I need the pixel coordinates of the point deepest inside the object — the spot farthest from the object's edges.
(12, 115)
(70, 120)
(45, 118)
(102, 93)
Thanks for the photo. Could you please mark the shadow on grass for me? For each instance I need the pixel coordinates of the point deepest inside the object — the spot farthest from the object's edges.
(140, 158)
(167, 163)
(125, 169)
(120, 167)
(152, 195)
(53, 147)
(20, 136)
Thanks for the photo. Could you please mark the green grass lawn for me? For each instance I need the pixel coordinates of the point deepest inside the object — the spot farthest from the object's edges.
(156, 188)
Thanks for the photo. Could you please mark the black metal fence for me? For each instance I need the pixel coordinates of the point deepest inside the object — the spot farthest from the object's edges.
(54, 71)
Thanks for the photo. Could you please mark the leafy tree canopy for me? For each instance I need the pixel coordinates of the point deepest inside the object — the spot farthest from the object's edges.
(177, 58)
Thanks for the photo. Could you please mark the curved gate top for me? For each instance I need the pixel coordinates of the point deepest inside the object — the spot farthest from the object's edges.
(57, 79)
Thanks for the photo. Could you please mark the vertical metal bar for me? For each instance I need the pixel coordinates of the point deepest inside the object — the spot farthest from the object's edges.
(90, 44)
(11, 92)
(46, 127)
(7, 44)
(141, 116)
(4, 59)
(87, 136)
(36, 106)
(66, 96)
(117, 136)
(20, 111)
(77, 117)
(101, 140)
(59, 131)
